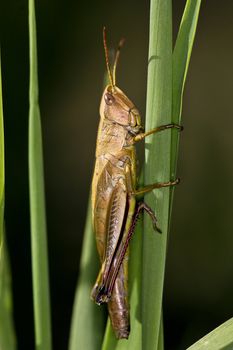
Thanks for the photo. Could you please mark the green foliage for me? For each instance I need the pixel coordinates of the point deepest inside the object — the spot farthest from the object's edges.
(164, 97)
(167, 73)
(219, 338)
(7, 335)
(2, 165)
(37, 202)
(180, 62)
(157, 168)
(166, 78)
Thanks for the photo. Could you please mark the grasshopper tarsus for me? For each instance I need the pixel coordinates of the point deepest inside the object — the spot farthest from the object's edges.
(157, 229)
(176, 182)
(176, 126)
(100, 295)
(170, 126)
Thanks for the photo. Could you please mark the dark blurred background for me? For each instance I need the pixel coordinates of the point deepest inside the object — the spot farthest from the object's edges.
(199, 275)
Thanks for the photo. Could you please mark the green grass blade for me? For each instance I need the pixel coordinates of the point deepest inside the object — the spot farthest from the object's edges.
(7, 335)
(161, 335)
(157, 168)
(181, 58)
(88, 320)
(37, 203)
(161, 152)
(2, 164)
(219, 338)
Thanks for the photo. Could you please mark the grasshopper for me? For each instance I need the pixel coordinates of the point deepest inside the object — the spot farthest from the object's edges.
(115, 209)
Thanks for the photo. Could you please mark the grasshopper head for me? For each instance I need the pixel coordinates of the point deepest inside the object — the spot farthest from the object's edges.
(117, 108)
(115, 105)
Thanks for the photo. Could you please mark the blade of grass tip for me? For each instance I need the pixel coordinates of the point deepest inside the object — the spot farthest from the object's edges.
(157, 168)
(88, 320)
(7, 335)
(40, 274)
(181, 57)
(219, 338)
(182, 53)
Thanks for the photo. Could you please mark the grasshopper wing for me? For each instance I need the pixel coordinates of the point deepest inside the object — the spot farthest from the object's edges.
(110, 212)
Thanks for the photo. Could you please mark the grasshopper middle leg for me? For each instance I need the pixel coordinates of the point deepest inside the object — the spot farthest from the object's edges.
(151, 187)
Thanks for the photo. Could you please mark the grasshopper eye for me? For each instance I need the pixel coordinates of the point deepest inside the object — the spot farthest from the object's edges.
(109, 99)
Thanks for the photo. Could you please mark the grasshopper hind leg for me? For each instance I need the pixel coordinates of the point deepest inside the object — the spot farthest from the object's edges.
(105, 293)
(102, 293)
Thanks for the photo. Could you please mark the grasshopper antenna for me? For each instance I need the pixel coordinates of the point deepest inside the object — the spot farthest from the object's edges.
(121, 43)
(107, 59)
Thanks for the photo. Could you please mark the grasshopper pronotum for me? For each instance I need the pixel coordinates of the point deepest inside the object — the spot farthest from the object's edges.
(114, 191)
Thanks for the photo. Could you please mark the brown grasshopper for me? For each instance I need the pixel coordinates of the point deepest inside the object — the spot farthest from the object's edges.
(114, 191)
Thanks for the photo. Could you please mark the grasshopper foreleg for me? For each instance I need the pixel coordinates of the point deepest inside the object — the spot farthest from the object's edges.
(142, 135)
